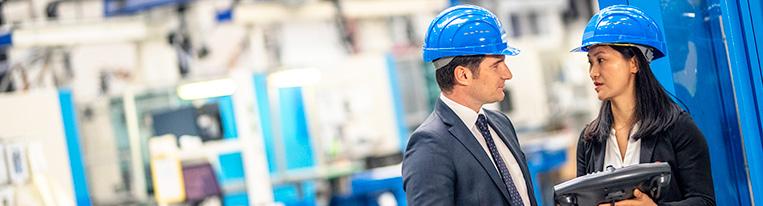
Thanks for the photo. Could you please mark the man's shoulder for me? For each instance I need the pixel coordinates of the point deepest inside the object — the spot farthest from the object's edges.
(432, 124)
(497, 116)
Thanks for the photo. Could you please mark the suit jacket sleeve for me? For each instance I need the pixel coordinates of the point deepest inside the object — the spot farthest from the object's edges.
(693, 162)
(428, 172)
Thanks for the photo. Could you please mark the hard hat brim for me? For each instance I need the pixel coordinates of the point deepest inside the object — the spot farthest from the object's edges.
(496, 49)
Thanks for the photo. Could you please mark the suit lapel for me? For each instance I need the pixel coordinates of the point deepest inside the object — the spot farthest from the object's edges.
(515, 149)
(465, 137)
(599, 150)
(647, 149)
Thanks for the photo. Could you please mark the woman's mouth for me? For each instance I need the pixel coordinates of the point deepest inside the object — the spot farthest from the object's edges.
(597, 85)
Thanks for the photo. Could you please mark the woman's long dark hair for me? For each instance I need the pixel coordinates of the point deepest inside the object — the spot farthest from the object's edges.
(654, 109)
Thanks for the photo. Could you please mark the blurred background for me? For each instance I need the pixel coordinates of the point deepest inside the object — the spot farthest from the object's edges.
(311, 102)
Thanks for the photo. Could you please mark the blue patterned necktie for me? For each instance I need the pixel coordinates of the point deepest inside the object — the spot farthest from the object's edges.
(482, 125)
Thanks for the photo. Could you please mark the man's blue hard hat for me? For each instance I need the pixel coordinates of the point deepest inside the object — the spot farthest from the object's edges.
(623, 25)
(465, 30)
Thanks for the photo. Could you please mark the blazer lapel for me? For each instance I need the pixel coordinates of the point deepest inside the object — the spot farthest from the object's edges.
(599, 150)
(513, 146)
(647, 149)
(465, 137)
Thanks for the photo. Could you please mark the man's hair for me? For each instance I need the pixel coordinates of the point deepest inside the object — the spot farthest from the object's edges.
(445, 76)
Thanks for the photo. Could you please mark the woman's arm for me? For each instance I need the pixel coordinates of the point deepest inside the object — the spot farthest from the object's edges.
(582, 160)
(693, 164)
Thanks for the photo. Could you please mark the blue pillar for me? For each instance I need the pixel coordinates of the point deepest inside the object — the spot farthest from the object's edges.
(263, 109)
(77, 164)
(294, 129)
(397, 102)
(227, 117)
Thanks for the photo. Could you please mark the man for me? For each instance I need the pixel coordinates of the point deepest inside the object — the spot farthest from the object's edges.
(463, 154)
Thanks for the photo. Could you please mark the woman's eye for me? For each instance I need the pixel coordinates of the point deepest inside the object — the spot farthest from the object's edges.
(600, 60)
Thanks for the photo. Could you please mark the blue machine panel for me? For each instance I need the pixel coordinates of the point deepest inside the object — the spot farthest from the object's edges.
(297, 194)
(232, 173)
(126, 7)
(702, 83)
(294, 130)
(6, 39)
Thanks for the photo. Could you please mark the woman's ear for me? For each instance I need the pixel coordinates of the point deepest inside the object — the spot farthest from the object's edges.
(462, 75)
(633, 65)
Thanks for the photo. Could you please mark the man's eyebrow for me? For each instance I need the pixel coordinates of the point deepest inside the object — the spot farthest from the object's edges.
(499, 61)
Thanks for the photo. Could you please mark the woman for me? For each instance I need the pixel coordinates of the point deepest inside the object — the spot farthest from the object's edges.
(638, 122)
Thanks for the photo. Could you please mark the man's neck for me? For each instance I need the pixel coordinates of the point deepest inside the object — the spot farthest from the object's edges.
(464, 100)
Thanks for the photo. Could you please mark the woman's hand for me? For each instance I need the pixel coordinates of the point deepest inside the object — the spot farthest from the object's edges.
(639, 199)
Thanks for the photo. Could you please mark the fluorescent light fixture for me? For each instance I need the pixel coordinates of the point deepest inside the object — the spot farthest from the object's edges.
(294, 77)
(78, 34)
(274, 12)
(206, 89)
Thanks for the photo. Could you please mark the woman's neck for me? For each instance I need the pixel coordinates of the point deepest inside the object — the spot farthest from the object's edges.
(623, 109)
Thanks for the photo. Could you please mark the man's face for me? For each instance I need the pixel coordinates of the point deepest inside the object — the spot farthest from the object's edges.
(488, 85)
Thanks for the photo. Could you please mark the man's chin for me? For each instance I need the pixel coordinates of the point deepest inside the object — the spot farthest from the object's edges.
(497, 99)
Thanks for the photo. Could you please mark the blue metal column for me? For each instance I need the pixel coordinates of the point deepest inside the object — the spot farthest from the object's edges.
(76, 162)
(397, 102)
(227, 117)
(743, 19)
(294, 130)
(263, 108)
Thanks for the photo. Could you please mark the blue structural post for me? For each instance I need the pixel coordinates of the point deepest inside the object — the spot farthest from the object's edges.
(397, 102)
(263, 108)
(743, 28)
(295, 140)
(227, 117)
(294, 129)
(76, 162)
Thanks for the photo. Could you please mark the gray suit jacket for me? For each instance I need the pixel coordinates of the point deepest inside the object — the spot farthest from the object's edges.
(445, 165)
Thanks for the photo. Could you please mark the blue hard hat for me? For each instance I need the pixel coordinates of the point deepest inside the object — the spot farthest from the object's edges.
(465, 30)
(623, 25)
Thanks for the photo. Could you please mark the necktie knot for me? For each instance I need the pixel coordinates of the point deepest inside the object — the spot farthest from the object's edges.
(482, 122)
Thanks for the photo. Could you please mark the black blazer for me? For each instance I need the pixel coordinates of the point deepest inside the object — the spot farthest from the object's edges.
(445, 165)
(682, 146)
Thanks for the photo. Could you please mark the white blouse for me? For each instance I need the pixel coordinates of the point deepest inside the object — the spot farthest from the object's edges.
(632, 152)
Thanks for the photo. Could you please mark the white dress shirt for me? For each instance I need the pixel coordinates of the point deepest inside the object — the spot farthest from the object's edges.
(469, 117)
(632, 152)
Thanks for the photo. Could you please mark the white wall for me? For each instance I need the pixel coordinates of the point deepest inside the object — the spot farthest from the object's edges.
(362, 81)
(35, 117)
(100, 154)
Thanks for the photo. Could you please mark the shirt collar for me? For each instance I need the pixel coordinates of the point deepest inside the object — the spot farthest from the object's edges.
(468, 116)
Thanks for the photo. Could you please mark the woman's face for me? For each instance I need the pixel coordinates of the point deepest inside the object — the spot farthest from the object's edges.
(611, 73)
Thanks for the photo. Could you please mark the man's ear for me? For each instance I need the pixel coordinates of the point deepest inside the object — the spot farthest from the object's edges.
(462, 75)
